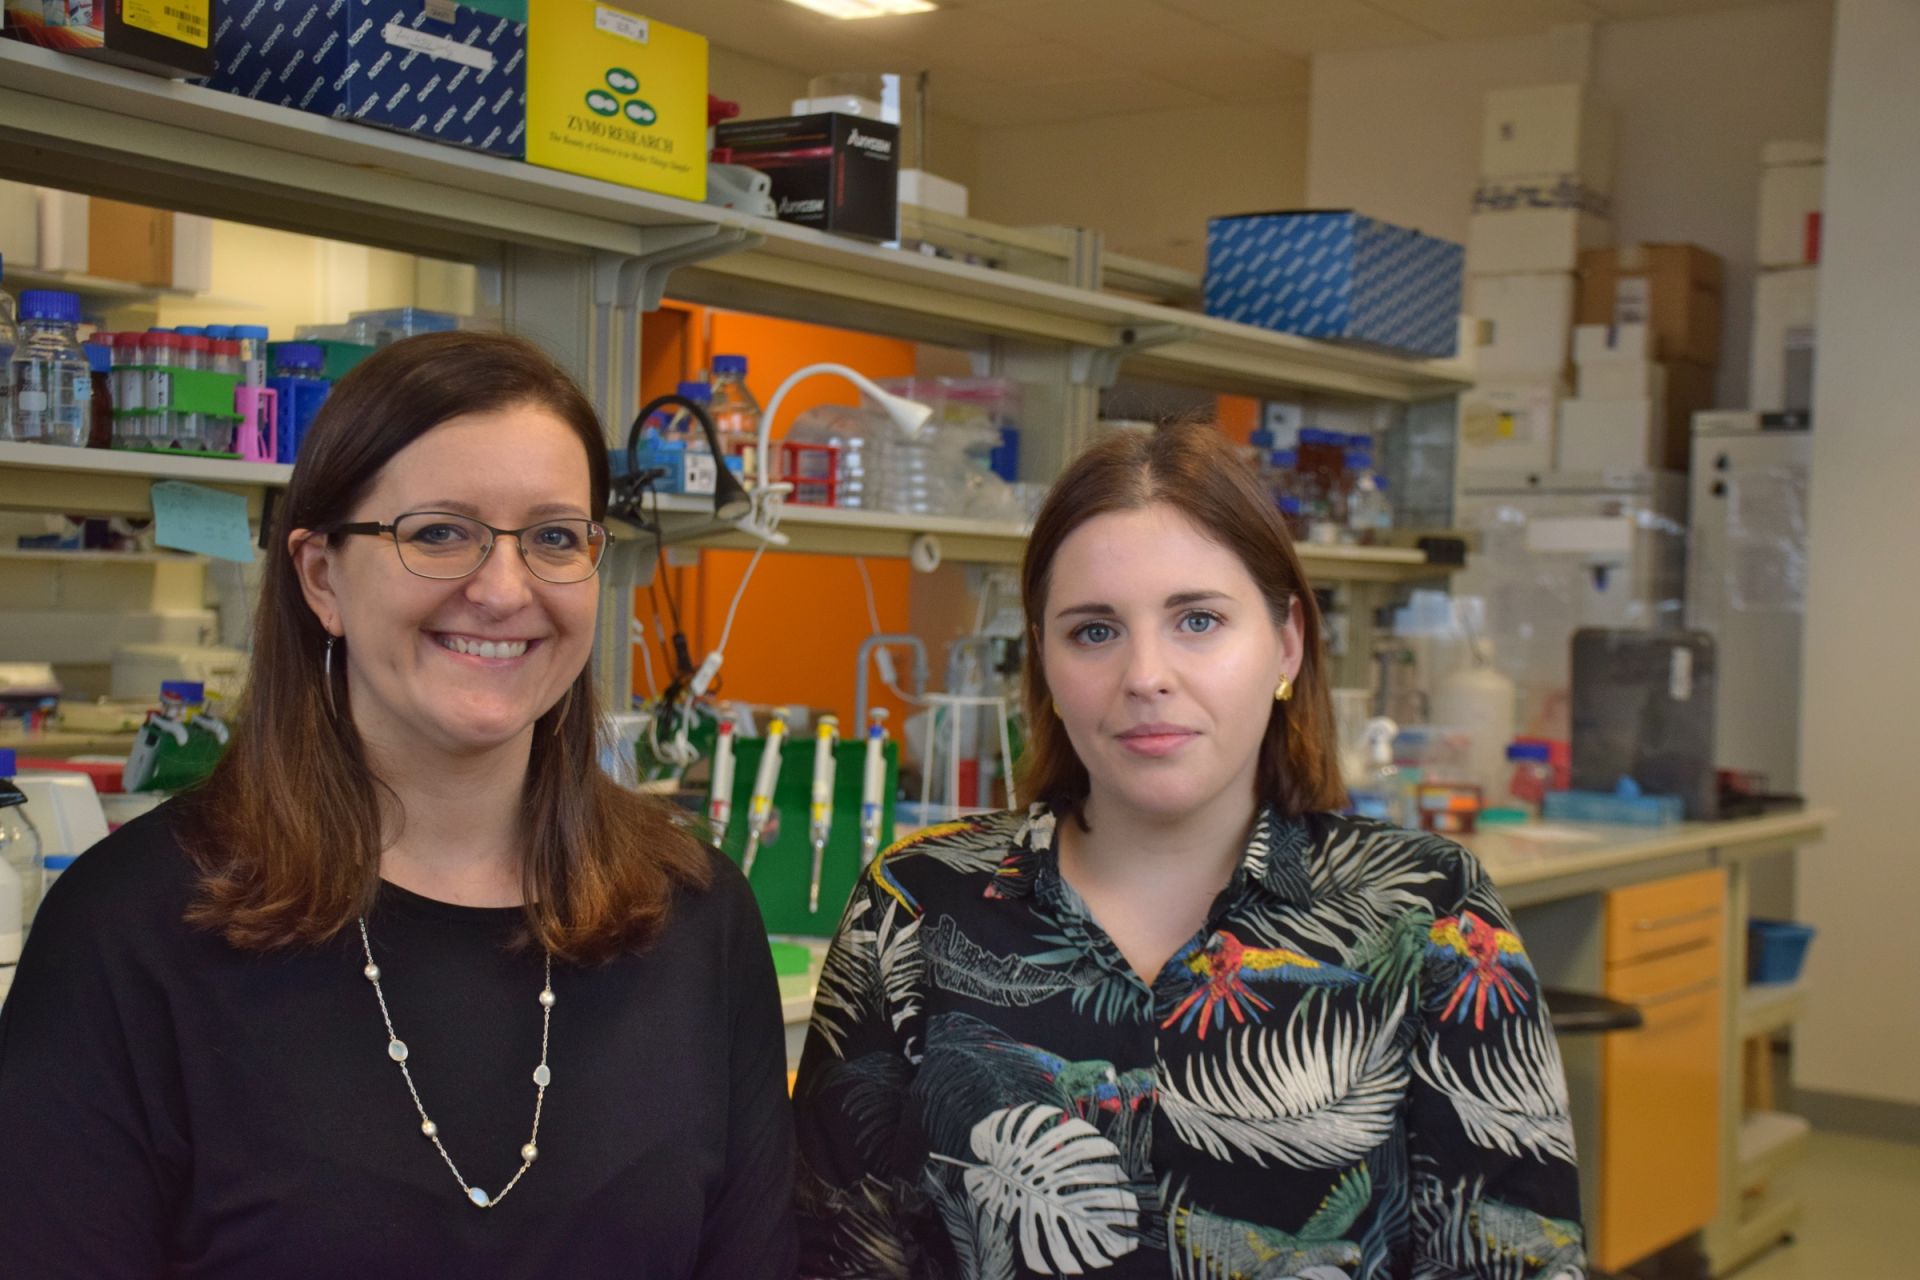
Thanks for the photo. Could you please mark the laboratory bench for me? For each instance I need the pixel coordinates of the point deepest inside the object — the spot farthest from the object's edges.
(1654, 918)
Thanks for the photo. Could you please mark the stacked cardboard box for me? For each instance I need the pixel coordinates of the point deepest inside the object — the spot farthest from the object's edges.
(1787, 248)
(1647, 350)
(1546, 165)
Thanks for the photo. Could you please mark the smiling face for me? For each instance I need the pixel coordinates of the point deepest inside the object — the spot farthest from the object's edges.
(1162, 658)
(458, 667)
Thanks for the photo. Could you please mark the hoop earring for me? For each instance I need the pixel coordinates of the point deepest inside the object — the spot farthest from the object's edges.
(1285, 692)
(566, 705)
(326, 676)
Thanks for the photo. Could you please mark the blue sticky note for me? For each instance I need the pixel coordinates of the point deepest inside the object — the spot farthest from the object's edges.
(192, 517)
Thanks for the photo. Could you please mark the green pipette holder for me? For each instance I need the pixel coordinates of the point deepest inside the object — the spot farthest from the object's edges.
(784, 867)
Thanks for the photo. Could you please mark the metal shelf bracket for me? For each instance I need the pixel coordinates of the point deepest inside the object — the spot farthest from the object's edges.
(1100, 366)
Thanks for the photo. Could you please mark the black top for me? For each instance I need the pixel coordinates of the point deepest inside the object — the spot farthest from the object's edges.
(172, 1106)
(1346, 1074)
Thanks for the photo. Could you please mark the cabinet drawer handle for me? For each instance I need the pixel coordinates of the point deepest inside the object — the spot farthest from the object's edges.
(1668, 922)
(1679, 993)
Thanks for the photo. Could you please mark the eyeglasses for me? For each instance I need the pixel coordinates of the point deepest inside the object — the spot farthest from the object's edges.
(442, 544)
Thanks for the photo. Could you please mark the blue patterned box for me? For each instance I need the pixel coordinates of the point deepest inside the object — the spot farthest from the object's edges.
(1336, 274)
(453, 72)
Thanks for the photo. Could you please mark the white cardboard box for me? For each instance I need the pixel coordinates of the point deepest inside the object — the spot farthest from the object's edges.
(1622, 378)
(1789, 228)
(1551, 128)
(1611, 435)
(1612, 342)
(930, 191)
(1509, 425)
(1526, 323)
(1785, 308)
(19, 226)
(63, 230)
(1519, 240)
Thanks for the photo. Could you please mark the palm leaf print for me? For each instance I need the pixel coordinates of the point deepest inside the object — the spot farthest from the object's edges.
(846, 989)
(982, 1246)
(1310, 1095)
(1513, 1097)
(872, 967)
(1211, 1246)
(1466, 1236)
(1342, 1206)
(958, 964)
(871, 1088)
(867, 1241)
(1059, 1180)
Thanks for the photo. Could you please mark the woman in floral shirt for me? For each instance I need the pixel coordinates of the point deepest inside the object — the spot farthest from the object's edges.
(1180, 1018)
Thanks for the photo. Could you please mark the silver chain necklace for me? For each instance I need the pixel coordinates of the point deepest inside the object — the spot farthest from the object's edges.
(542, 1077)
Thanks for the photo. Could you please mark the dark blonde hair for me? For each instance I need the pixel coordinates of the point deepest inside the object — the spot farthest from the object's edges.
(287, 832)
(1191, 468)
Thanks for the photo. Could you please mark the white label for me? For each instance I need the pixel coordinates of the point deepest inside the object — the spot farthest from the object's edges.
(83, 386)
(1680, 675)
(701, 475)
(628, 26)
(1632, 300)
(31, 401)
(437, 46)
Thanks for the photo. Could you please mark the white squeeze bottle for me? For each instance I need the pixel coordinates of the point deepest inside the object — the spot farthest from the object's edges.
(20, 853)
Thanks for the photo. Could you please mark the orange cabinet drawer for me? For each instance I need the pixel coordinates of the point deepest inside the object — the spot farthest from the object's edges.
(1646, 919)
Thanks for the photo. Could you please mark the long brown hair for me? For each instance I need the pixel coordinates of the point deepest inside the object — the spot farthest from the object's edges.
(1191, 468)
(287, 831)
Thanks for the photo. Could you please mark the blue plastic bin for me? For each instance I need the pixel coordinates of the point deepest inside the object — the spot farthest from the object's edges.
(1776, 949)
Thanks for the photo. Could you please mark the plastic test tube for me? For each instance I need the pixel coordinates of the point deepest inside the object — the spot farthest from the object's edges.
(760, 805)
(158, 352)
(820, 812)
(720, 792)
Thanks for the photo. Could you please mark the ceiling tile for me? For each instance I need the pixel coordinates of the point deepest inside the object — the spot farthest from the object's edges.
(1669, 8)
(1325, 26)
(1056, 103)
(1488, 19)
(1244, 79)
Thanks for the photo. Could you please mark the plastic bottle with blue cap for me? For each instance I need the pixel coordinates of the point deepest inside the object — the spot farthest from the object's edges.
(736, 414)
(9, 338)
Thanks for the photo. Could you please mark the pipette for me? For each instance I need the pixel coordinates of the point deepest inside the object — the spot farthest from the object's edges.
(820, 813)
(760, 805)
(720, 792)
(873, 782)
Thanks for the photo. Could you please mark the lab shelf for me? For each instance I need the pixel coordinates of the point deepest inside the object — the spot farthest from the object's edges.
(92, 127)
(833, 531)
(1766, 1008)
(113, 482)
(1769, 1142)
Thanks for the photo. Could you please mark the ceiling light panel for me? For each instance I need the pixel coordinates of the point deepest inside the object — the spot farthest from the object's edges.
(865, 8)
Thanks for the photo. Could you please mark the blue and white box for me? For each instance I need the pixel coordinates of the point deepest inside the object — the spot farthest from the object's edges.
(451, 70)
(1336, 274)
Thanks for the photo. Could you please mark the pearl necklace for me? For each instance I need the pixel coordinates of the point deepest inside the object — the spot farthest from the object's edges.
(542, 1077)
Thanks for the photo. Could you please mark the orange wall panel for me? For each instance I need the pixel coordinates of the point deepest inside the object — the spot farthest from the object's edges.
(803, 617)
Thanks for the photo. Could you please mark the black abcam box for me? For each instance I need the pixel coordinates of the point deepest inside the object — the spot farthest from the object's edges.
(835, 172)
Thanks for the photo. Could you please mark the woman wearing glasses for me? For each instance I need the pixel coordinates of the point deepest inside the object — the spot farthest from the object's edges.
(408, 987)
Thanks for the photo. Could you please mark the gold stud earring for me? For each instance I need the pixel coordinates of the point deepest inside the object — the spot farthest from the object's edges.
(1285, 692)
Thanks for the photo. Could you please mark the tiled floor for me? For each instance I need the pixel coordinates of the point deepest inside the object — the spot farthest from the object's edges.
(1862, 1197)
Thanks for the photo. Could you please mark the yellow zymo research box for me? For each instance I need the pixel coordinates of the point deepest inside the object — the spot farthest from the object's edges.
(613, 94)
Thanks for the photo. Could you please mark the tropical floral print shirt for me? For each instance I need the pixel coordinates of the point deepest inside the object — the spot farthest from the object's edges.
(1347, 1072)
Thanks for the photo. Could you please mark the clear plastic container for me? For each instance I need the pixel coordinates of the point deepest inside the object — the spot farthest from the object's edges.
(253, 353)
(9, 338)
(129, 390)
(51, 379)
(20, 846)
(853, 433)
(196, 353)
(160, 351)
(1369, 514)
(736, 414)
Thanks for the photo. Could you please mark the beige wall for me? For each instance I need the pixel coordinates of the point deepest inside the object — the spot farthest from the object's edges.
(1396, 133)
(1861, 731)
(1148, 181)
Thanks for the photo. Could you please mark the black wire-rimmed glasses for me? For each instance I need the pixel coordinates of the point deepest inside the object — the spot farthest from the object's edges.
(445, 544)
